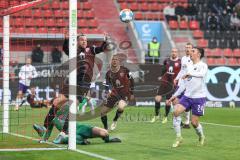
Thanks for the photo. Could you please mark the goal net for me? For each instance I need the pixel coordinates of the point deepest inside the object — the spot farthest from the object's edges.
(36, 30)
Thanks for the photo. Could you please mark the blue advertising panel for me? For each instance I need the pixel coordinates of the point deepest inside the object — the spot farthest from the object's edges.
(146, 30)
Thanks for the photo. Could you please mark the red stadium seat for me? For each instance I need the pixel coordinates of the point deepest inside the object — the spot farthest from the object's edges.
(183, 25)
(89, 14)
(31, 30)
(227, 52)
(37, 13)
(19, 22)
(23, 1)
(87, 6)
(55, 5)
(46, 6)
(150, 16)
(208, 52)
(173, 24)
(58, 13)
(4, 4)
(221, 61)
(50, 22)
(80, 14)
(154, 7)
(232, 61)
(134, 6)
(198, 34)
(65, 5)
(193, 25)
(236, 52)
(47, 13)
(123, 5)
(93, 31)
(13, 3)
(143, 7)
(40, 22)
(202, 43)
(65, 13)
(28, 22)
(82, 23)
(61, 23)
(20, 30)
(93, 23)
(53, 30)
(42, 30)
(217, 52)
(27, 13)
(138, 16)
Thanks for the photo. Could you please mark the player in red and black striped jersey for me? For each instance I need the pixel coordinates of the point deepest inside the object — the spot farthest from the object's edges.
(171, 68)
(85, 64)
(120, 85)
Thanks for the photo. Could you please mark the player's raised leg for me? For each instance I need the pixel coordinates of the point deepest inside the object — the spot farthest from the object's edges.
(120, 108)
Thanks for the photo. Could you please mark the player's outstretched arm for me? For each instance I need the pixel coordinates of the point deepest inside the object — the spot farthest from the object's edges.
(102, 48)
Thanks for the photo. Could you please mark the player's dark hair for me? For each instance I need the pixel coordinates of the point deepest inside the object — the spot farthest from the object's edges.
(80, 35)
(201, 51)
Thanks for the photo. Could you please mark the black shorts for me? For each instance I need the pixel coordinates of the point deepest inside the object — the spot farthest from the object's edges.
(166, 89)
(113, 99)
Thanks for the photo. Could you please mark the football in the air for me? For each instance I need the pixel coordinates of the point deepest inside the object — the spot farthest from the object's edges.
(126, 15)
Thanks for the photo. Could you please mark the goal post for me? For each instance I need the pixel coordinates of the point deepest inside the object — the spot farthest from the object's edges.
(72, 75)
(6, 58)
(72, 26)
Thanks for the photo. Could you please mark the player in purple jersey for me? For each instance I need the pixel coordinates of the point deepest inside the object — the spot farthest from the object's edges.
(194, 97)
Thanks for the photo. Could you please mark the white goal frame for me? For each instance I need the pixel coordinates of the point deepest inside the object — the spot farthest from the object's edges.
(72, 66)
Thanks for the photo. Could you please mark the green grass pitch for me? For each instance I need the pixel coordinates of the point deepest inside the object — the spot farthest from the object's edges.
(140, 139)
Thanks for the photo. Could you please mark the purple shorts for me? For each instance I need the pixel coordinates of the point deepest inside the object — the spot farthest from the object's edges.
(22, 87)
(195, 104)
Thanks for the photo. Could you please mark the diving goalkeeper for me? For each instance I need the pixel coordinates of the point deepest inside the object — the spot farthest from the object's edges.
(83, 131)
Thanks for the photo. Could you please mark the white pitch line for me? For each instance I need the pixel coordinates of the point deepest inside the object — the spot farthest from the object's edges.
(214, 124)
(30, 149)
(222, 125)
(93, 154)
(62, 147)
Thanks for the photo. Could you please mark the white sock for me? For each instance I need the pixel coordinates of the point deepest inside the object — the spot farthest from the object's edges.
(84, 108)
(177, 125)
(199, 130)
(18, 101)
(187, 117)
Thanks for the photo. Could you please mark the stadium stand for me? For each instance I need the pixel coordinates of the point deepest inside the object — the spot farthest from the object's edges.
(221, 41)
(50, 14)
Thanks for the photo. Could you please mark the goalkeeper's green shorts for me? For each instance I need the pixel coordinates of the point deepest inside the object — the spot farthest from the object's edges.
(84, 130)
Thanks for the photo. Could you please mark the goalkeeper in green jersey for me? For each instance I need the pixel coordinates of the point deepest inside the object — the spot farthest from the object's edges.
(83, 132)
